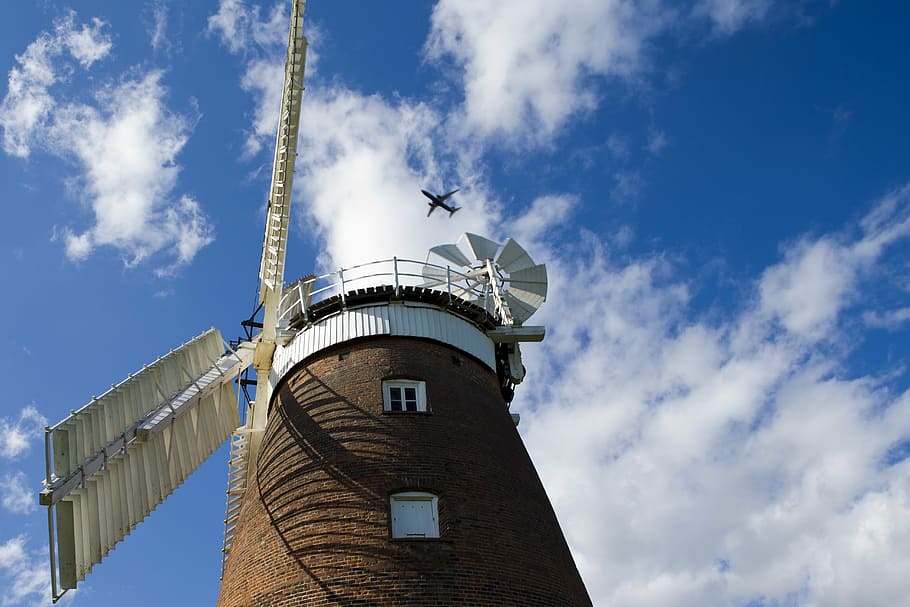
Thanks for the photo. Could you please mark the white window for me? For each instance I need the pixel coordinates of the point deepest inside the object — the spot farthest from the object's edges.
(415, 514)
(404, 395)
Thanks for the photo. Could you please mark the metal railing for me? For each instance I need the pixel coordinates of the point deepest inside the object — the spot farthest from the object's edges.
(303, 294)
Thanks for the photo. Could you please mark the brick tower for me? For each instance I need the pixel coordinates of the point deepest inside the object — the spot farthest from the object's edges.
(390, 470)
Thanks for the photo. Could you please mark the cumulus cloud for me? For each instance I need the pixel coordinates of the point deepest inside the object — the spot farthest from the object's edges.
(15, 496)
(16, 436)
(527, 66)
(24, 574)
(696, 461)
(361, 179)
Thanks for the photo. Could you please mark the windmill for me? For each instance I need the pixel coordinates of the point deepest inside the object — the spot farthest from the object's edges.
(378, 463)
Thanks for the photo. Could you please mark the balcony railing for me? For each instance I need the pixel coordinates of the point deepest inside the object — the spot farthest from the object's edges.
(300, 296)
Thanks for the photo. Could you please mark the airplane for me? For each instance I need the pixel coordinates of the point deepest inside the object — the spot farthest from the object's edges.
(439, 201)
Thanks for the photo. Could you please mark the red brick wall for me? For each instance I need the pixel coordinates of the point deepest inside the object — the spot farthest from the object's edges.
(314, 527)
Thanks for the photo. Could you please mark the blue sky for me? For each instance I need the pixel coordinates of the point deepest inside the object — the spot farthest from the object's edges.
(720, 189)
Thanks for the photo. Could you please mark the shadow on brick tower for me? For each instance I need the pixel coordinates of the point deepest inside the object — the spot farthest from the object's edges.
(390, 470)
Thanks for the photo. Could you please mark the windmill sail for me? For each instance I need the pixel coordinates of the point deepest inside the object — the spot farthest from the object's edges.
(113, 461)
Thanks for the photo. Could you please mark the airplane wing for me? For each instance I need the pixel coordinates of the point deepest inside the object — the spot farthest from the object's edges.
(444, 196)
(432, 208)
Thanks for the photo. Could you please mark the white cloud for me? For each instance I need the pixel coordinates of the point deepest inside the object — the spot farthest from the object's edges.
(229, 24)
(187, 226)
(127, 147)
(808, 289)
(15, 436)
(15, 496)
(262, 79)
(720, 462)
(657, 141)
(618, 145)
(890, 319)
(627, 185)
(263, 44)
(543, 219)
(527, 66)
(28, 103)
(157, 29)
(86, 44)
(361, 179)
(25, 574)
(817, 279)
(731, 15)
(240, 26)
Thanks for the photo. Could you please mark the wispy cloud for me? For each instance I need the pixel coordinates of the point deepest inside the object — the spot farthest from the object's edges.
(87, 43)
(260, 79)
(15, 496)
(240, 26)
(25, 574)
(262, 42)
(28, 103)
(126, 145)
(17, 435)
(657, 141)
(889, 319)
(818, 278)
(627, 185)
(729, 16)
(157, 26)
(618, 145)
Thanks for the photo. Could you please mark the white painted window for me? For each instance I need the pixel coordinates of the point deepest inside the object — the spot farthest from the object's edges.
(404, 395)
(415, 514)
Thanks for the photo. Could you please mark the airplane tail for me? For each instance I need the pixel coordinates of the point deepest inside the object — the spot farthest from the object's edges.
(452, 212)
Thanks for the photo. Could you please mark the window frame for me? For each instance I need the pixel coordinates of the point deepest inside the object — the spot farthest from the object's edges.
(401, 497)
(404, 383)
